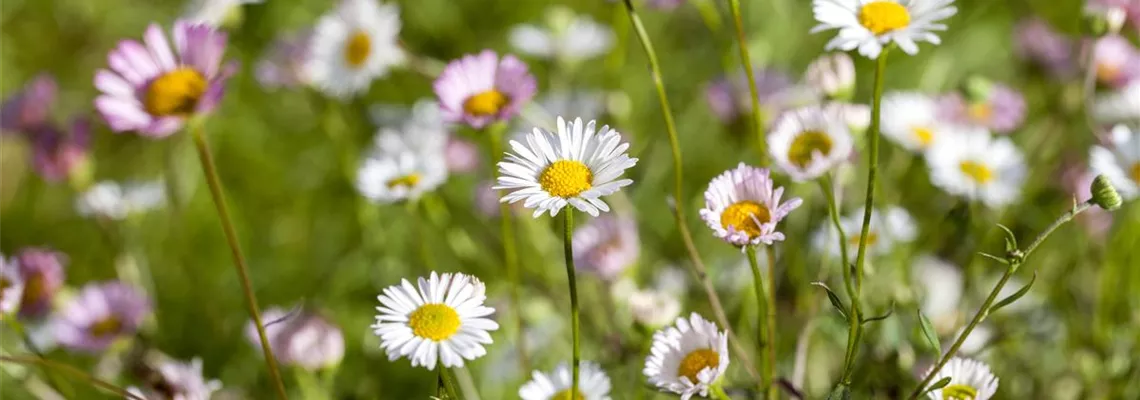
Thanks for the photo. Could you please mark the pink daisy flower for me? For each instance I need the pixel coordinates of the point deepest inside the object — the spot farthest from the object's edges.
(100, 314)
(743, 208)
(479, 89)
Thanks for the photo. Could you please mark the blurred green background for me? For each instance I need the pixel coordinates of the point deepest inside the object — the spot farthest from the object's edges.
(286, 159)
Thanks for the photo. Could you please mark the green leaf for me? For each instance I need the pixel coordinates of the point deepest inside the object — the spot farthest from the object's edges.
(835, 301)
(1010, 239)
(1013, 297)
(938, 385)
(890, 311)
(841, 392)
(993, 257)
(928, 332)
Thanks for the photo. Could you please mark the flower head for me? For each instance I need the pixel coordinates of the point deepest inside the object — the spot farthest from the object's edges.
(999, 108)
(11, 285)
(911, 121)
(176, 380)
(743, 209)
(832, 75)
(576, 166)
(58, 154)
(100, 314)
(284, 64)
(977, 166)
(887, 228)
(1120, 161)
(152, 89)
(606, 246)
(1116, 60)
(653, 307)
(352, 45)
(305, 339)
(809, 141)
(30, 107)
(869, 25)
(688, 357)
(117, 201)
(441, 322)
(969, 379)
(479, 89)
(42, 272)
(593, 384)
(406, 161)
(570, 37)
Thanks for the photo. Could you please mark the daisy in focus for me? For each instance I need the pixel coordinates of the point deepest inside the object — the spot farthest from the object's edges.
(888, 228)
(810, 141)
(442, 322)
(687, 358)
(1120, 162)
(352, 45)
(575, 166)
(969, 379)
(606, 246)
(593, 384)
(152, 89)
(177, 380)
(911, 120)
(479, 89)
(570, 37)
(743, 209)
(116, 201)
(978, 167)
(868, 25)
(100, 314)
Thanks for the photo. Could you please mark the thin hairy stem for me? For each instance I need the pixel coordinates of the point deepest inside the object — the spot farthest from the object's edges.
(825, 184)
(67, 369)
(448, 383)
(746, 61)
(764, 342)
(215, 184)
(510, 255)
(568, 252)
(719, 392)
(772, 343)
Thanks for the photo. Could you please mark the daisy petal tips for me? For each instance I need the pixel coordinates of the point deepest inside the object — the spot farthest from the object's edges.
(575, 166)
(742, 208)
(152, 89)
(868, 25)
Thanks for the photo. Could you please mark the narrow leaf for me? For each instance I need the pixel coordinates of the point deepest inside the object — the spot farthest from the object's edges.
(890, 311)
(993, 257)
(928, 331)
(841, 392)
(938, 385)
(835, 301)
(1013, 297)
(1010, 239)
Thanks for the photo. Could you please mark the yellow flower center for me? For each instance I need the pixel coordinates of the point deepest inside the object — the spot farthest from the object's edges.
(924, 135)
(434, 321)
(872, 237)
(697, 361)
(977, 171)
(806, 144)
(34, 289)
(1135, 172)
(959, 392)
(357, 49)
(565, 395)
(106, 327)
(1107, 72)
(175, 93)
(745, 216)
(485, 103)
(883, 16)
(980, 112)
(566, 178)
(4, 285)
(408, 180)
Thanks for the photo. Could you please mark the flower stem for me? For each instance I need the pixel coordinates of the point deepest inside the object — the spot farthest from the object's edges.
(568, 252)
(42, 362)
(773, 344)
(448, 383)
(210, 170)
(510, 256)
(825, 184)
(1014, 260)
(764, 343)
(54, 380)
(746, 61)
(418, 211)
(719, 392)
(698, 266)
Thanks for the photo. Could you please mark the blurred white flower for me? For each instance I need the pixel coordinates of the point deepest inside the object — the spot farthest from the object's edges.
(1120, 162)
(833, 75)
(857, 116)
(179, 381)
(11, 285)
(809, 141)
(586, 104)
(352, 45)
(651, 307)
(606, 246)
(593, 384)
(911, 120)
(215, 12)
(888, 228)
(569, 37)
(868, 25)
(687, 358)
(977, 341)
(386, 177)
(978, 167)
(969, 379)
(118, 201)
(1121, 106)
(942, 285)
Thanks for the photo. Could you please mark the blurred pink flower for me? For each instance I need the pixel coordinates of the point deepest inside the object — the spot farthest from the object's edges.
(284, 64)
(1131, 9)
(462, 155)
(29, 108)
(1037, 42)
(1117, 62)
(730, 99)
(42, 270)
(1002, 110)
(303, 339)
(100, 314)
(479, 89)
(56, 153)
(606, 246)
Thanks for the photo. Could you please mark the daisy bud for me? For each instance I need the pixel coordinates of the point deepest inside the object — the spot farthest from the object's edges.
(833, 75)
(1104, 194)
(1101, 19)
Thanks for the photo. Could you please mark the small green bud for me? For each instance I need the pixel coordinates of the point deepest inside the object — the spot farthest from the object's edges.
(977, 89)
(1103, 194)
(1095, 25)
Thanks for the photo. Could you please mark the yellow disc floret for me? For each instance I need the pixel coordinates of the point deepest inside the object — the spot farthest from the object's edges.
(696, 361)
(924, 135)
(357, 49)
(883, 16)
(806, 144)
(1135, 173)
(565, 395)
(745, 216)
(409, 180)
(175, 93)
(959, 392)
(485, 103)
(566, 178)
(977, 171)
(106, 327)
(434, 321)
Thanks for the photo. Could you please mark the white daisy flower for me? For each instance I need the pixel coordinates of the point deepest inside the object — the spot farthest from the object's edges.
(652, 307)
(911, 120)
(868, 25)
(1119, 106)
(888, 228)
(593, 384)
(832, 75)
(352, 45)
(687, 358)
(978, 167)
(969, 379)
(442, 322)
(1120, 163)
(387, 178)
(942, 287)
(809, 141)
(420, 129)
(574, 166)
(570, 37)
(215, 12)
(742, 208)
(11, 285)
(118, 201)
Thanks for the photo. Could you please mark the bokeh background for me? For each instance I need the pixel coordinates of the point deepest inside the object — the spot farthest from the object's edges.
(286, 158)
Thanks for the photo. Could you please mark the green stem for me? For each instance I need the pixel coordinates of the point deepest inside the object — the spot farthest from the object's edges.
(510, 255)
(719, 392)
(71, 371)
(764, 343)
(698, 266)
(1013, 261)
(568, 253)
(448, 383)
(212, 180)
(772, 343)
(422, 222)
(825, 184)
(746, 60)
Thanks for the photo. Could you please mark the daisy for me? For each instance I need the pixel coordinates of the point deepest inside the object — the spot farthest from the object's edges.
(30, 107)
(442, 322)
(386, 178)
(870, 24)
(997, 107)
(1116, 60)
(42, 272)
(570, 38)
(593, 384)
(216, 12)
(153, 90)
(1122, 105)
(687, 358)
(177, 380)
(888, 228)
(303, 339)
(116, 201)
(978, 167)
(575, 166)
(100, 314)
(1120, 163)
(942, 287)
(1036, 41)
(11, 286)
(832, 75)
(969, 379)
(352, 45)
(479, 89)
(742, 208)
(809, 141)
(606, 246)
(911, 120)
(653, 307)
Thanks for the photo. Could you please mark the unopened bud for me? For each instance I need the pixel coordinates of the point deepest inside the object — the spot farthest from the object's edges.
(833, 75)
(1104, 194)
(977, 89)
